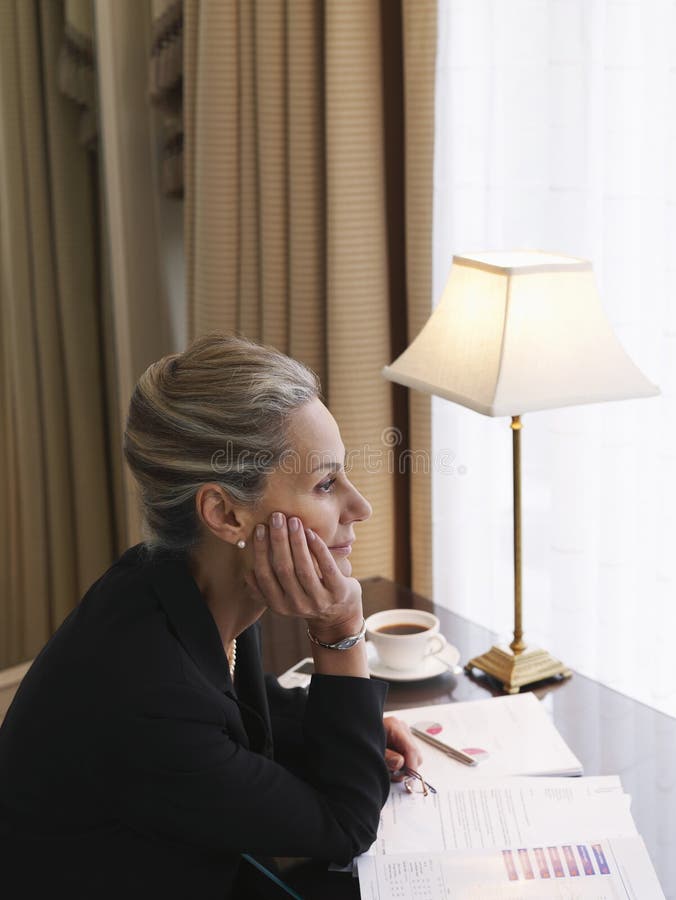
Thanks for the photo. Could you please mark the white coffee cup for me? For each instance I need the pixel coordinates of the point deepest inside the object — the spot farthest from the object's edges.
(404, 637)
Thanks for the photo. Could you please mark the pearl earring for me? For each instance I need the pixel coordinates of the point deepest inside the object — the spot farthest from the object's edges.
(241, 544)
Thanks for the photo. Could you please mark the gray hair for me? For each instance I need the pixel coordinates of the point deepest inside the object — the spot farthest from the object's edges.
(217, 413)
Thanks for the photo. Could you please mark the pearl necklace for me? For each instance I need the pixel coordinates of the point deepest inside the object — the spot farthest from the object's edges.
(232, 657)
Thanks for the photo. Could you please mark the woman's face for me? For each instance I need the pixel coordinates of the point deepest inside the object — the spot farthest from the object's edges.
(311, 483)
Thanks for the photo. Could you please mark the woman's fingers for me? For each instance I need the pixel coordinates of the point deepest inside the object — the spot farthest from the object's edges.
(298, 576)
(285, 570)
(400, 740)
(290, 560)
(305, 566)
(332, 577)
(393, 760)
(265, 577)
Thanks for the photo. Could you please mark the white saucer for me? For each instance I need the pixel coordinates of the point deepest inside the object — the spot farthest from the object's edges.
(430, 667)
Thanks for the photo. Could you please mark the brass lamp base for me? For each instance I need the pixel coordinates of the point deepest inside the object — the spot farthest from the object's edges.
(516, 670)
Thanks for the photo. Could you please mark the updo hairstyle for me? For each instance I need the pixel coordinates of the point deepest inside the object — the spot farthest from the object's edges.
(217, 413)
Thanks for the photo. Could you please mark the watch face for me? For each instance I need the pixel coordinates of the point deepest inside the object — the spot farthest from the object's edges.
(346, 644)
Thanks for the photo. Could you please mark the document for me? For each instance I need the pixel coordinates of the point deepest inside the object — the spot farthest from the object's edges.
(509, 827)
(606, 869)
(510, 735)
(513, 837)
(501, 812)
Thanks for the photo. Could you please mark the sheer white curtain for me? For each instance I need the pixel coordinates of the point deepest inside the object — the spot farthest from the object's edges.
(556, 129)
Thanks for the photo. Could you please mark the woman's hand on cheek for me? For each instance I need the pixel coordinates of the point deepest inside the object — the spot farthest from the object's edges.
(285, 576)
(401, 749)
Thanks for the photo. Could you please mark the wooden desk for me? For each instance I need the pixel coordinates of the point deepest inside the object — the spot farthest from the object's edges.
(608, 732)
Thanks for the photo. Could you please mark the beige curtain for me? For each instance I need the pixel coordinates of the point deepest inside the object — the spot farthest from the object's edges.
(56, 521)
(420, 41)
(166, 89)
(137, 314)
(296, 216)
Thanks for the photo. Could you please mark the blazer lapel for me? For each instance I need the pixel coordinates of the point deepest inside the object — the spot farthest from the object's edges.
(195, 628)
(189, 616)
(251, 692)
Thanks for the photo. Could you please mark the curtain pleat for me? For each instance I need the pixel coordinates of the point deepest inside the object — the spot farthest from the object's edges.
(271, 107)
(285, 216)
(133, 211)
(112, 404)
(27, 612)
(74, 233)
(166, 89)
(420, 38)
(191, 200)
(30, 271)
(358, 334)
(5, 495)
(306, 180)
(56, 519)
(212, 145)
(248, 300)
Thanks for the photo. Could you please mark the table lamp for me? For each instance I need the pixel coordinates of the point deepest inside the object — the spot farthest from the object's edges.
(514, 332)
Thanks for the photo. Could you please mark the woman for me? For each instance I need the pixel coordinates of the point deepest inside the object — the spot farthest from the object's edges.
(144, 752)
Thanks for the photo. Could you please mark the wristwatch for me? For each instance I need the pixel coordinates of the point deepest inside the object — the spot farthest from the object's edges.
(345, 643)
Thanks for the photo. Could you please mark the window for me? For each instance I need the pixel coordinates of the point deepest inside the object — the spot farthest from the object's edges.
(556, 130)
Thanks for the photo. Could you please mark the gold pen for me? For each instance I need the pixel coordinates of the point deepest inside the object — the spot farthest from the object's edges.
(458, 755)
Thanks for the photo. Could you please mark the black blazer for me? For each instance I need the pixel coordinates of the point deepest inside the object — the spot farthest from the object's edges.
(130, 765)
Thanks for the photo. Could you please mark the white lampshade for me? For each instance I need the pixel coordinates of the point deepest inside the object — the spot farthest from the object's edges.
(518, 331)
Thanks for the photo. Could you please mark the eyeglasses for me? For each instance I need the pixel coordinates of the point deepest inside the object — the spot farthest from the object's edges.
(414, 783)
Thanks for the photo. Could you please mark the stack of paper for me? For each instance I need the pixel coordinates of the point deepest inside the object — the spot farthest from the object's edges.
(505, 828)
(501, 812)
(509, 838)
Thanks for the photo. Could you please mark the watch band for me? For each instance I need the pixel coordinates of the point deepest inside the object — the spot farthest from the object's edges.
(345, 643)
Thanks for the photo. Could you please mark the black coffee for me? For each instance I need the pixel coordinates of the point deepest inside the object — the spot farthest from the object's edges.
(402, 628)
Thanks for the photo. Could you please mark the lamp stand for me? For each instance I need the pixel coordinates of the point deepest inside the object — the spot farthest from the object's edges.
(517, 665)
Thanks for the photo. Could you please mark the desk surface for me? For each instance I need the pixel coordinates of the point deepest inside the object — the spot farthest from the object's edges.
(608, 732)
